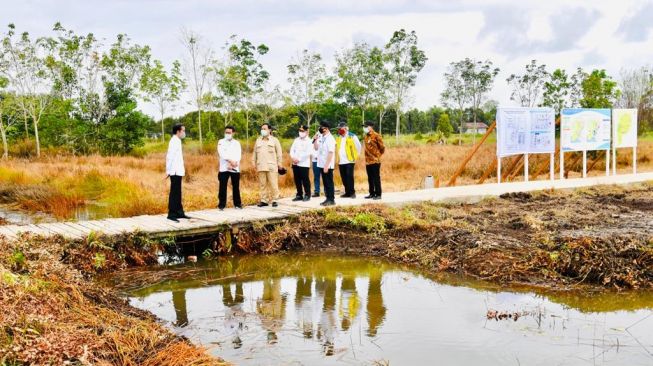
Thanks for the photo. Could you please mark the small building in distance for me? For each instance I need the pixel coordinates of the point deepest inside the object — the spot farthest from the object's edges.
(480, 128)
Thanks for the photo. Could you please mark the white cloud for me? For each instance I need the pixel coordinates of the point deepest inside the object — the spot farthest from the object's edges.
(559, 33)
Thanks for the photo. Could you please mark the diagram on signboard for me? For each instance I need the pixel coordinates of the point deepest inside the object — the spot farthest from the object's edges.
(624, 125)
(525, 130)
(585, 129)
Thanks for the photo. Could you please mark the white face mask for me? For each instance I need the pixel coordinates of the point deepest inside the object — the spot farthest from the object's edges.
(228, 136)
(183, 135)
(366, 129)
(264, 133)
(303, 134)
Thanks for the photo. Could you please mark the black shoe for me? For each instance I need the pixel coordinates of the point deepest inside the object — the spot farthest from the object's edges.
(306, 198)
(297, 198)
(274, 204)
(185, 217)
(316, 194)
(221, 208)
(171, 218)
(327, 203)
(376, 198)
(345, 195)
(353, 195)
(371, 196)
(262, 204)
(239, 207)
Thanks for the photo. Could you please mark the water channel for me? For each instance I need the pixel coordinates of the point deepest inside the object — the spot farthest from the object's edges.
(299, 309)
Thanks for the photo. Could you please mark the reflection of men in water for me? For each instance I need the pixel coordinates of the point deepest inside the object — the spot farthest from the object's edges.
(375, 308)
(327, 327)
(179, 303)
(272, 307)
(233, 312)
(349, 302)
(303, 305)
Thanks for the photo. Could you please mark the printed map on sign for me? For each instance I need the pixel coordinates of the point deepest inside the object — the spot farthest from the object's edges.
(585, 129)
(624, 127)
(525, 131)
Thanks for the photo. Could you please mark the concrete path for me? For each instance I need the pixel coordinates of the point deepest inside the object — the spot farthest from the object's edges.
(213, 220)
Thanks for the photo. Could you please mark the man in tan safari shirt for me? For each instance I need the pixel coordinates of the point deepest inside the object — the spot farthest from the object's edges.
(267, 159)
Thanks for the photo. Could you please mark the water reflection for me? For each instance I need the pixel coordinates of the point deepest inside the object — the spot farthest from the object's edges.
(293, 309)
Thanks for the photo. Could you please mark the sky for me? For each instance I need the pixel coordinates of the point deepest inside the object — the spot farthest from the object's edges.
(561, 34)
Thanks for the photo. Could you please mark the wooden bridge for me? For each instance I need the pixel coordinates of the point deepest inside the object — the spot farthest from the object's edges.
(213, 221)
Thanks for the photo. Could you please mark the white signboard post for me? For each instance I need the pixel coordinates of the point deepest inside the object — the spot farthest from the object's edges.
(525, 131)
(583, 130)
(624, 134)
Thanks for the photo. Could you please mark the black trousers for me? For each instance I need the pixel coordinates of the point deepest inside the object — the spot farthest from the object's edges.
(374, 178)
(347, 176)
(223, 180)
(302, 181)
(175, 209)
(327, 181)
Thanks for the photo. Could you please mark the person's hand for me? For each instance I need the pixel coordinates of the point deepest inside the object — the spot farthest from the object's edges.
(325, 169)
(295, 161)
(279, 166)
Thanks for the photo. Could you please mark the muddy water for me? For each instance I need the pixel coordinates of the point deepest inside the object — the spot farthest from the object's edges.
(317, 310)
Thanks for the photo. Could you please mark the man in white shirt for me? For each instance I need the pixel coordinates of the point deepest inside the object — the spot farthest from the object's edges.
(349, 148)
(326, 148)
(300, 154)
(175, 171)
(229, 153)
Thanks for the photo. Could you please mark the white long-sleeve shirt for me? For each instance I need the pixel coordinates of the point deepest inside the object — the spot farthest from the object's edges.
(302, 149)
(229, 150)
(175, 157)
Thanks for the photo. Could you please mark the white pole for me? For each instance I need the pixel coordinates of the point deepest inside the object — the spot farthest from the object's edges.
(562, 164)
(499, 170)
(552, 166)
(607, 163)
(614, 160)
(584, 163)
(635, 159)
(525, 167)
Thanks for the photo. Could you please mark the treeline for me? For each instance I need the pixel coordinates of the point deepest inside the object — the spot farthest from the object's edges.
(82, 93)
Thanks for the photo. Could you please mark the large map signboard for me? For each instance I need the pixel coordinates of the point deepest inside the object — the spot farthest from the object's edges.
(525, 131)
(584, 129)
(624, 127)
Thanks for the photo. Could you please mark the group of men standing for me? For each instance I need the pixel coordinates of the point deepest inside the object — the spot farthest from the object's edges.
(320, 153)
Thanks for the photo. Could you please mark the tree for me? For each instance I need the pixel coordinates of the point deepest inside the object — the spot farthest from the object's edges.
(406, 60)
(478, 78)
(359, 71)
(455, 94)
(599, 90)
(556, 90)
(23, 65)
(242, 76)
(444, 125)
(310, 86)
(527, 88)
(8, 115)
(576, 88)
(162, 87)
(634, 85)
(197, 67)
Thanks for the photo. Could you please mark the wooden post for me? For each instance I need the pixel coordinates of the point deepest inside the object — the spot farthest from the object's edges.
(469, 156)
(614, 160)
(552, 163)
(488, 171)
(635, 159)
(525, 167)
(499, 171)
(584, 163)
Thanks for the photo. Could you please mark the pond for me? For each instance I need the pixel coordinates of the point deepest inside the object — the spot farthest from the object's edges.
(297, 309)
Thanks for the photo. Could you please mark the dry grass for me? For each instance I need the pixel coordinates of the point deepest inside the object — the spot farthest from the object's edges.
(127, 186)
(52, 314)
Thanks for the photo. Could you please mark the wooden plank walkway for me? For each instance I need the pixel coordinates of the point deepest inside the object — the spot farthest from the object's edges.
(213, 221)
